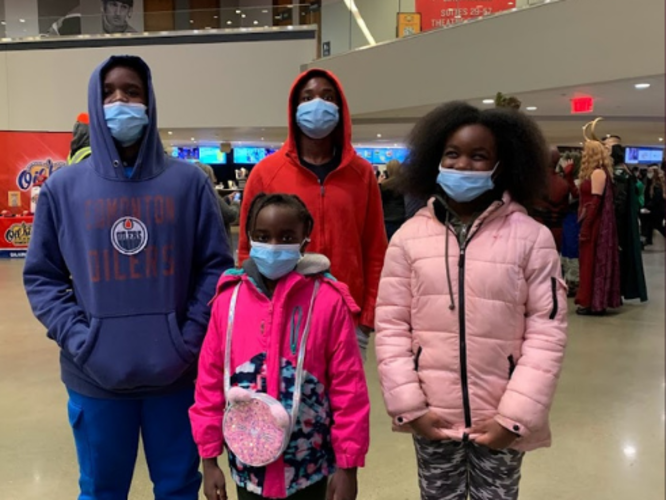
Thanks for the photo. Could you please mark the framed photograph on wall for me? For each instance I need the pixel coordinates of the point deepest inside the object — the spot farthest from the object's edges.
(409, 23)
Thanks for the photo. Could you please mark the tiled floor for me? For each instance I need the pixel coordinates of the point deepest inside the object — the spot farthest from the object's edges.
(608, 420)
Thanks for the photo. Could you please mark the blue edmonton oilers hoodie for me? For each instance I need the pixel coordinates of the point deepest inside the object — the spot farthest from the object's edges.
(120, 271)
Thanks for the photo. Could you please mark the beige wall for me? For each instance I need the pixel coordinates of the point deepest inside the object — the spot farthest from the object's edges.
(198, 86)
(559, 44)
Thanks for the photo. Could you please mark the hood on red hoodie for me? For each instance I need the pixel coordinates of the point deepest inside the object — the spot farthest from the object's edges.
(344, 128)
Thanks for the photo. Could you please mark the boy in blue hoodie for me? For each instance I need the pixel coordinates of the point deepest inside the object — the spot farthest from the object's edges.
(126, 251)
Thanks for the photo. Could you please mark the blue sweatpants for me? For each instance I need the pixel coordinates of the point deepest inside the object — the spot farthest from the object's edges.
(107, 432)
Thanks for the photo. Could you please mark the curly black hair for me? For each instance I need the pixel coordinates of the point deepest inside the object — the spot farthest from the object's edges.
(263, 200)
(521, 150)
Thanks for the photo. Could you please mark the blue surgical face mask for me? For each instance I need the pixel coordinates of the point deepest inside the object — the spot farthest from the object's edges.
(317, 118)
(126, 121)
(275, 261)
(465, 185)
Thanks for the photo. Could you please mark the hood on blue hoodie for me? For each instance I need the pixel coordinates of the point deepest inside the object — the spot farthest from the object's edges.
(105, 157)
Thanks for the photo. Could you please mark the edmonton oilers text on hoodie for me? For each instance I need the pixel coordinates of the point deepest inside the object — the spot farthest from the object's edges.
(120, 271)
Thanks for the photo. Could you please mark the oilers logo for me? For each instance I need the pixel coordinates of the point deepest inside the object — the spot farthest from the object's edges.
(129, 235)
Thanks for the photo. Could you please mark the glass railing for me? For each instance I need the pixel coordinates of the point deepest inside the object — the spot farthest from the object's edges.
(116, 18)
(353, 24)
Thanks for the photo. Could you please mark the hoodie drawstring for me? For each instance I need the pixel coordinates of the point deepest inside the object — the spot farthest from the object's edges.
(452, 305)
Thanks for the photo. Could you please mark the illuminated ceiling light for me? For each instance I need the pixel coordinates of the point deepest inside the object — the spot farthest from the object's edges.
(642, 86)
(21, 20)
(489, 101)
(170, 132)
(243, 16)
(255, 22)
(239, 12)
(629, 451)
(262, 138)
(193, 139)
(229, 23)
(379, 136)
(265, 11)
(216, 17)
(351, 5)
(661, 139)
(531, 108)
(191, 21)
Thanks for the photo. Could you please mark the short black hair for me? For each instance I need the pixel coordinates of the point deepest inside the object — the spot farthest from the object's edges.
(129, 62)
(263, 200)
(522, 151)
(315, 73)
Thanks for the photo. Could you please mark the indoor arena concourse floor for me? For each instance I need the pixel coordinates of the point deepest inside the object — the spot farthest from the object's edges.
(608, 416)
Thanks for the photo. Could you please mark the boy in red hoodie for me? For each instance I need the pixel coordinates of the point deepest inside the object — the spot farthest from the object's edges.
(319, 165)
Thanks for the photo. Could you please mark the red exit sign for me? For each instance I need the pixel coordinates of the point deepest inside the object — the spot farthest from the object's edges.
(583, 104)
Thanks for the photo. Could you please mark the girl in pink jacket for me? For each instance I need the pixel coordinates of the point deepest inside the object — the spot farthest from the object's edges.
(282, 331)
(471, 315)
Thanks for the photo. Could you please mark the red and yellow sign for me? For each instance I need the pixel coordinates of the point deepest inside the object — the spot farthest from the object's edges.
(442, 13)
(26, 155)
(15, 235)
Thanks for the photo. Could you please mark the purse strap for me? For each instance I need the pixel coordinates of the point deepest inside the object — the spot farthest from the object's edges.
(301, 351)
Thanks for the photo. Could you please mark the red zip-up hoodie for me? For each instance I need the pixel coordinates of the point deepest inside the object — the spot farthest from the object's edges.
(347, 207)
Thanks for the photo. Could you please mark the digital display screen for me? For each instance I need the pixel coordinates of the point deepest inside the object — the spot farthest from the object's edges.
(212, 155)
(188, 154)
(251, 156)
(381, 156)
(643, 155)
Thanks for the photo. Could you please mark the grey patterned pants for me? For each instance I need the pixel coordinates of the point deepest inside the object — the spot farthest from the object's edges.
(450, 470)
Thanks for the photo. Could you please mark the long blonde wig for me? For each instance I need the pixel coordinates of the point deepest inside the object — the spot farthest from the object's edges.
(595, 155)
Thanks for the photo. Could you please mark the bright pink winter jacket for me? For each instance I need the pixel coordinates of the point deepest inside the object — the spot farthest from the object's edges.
(479, 337)
(333, 426)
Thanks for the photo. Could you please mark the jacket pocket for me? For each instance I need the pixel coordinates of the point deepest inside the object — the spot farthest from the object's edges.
(128, 353)
(417, 358)
(512, 365)
(553, 291)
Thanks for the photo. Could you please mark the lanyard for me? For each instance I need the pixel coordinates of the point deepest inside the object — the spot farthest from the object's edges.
(301, 351)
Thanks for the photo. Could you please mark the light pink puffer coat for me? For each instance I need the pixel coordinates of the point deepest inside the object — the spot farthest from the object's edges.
(492, 349)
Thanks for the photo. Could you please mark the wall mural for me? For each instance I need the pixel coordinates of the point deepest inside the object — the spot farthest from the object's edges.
(75, 17)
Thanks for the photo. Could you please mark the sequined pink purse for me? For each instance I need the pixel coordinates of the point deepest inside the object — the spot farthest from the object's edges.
(256, 426)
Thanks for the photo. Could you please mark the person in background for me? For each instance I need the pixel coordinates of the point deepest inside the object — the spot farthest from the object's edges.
(611, 140)
(79, 148)
(652, 214)
(126, 249)
(551, 209)
(319, 164)
(472, 309)
(571, 229)
(393, 201)
(627, 210)
(116, 15)
(275, 289)
(599, 287)
(640, 185)
(229, 206)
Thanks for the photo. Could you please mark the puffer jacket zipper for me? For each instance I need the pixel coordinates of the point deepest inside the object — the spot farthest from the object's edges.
(463, 333)
(466, 238)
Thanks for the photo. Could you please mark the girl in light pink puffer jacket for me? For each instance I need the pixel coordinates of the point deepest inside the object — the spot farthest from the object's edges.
(471, 315)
